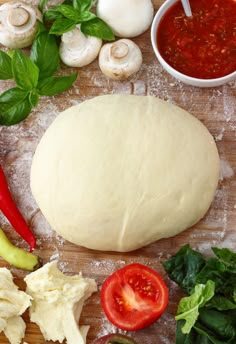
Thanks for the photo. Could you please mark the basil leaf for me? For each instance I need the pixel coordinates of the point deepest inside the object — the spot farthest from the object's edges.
(68, 12)
(43, 47)
(184, 267)
(14, 106)
(52, 14)
(62, 25)
(42, 4)
(188, 308)
(54, 85)
(98, 28)
(82, 5)
(86, 16)
(25, 72)
(33, 98)
(227, 257)
(5, 66)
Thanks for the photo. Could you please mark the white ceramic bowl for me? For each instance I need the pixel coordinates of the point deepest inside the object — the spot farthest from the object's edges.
(180, 76)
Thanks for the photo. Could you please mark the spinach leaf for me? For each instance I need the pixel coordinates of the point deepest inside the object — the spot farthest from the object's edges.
(25, 72)
(188, 308)
(54, 85)
(62, 25)
(221, 303)
(184, 266)
(5, 66)
(44, 46)
(209, 337)
(190, 338)
(14, 106)
(227, 257)
(98, 28)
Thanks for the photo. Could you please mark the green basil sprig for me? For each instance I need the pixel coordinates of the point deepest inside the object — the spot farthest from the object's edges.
(66, 16)
(34, 77)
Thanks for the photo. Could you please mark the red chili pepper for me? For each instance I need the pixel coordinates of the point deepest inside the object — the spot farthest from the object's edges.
(9, 209)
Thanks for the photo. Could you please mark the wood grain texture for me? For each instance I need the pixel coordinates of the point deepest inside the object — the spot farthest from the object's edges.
(215, 107)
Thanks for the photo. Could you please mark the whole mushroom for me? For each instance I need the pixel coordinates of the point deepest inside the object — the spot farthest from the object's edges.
(18, 24)
(127, 18)
(77, 49)
(120, 59)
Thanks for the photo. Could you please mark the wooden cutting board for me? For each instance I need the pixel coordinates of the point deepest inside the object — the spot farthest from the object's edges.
(215, 107)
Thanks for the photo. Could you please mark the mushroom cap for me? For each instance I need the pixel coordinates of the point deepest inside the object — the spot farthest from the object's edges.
(120, 59)
(18, 24)
(77, 49)
(127, 18)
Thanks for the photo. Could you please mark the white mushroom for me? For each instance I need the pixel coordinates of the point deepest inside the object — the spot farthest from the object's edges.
(77, 49)
(120, 59)
(18, 24)
(127, 18)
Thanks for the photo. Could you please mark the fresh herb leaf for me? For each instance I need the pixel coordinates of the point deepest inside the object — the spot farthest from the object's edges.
(33, 98)
(188, 308)
(98, 28)
(25, 72)
(86, 16)
(5, 66)
(52, 14)
(227, 257)
(62, 25)
(184, 266)
(68, 12)
(82, 5)
(14, 106)
(42, 4)
(44, 46)
(55, 85)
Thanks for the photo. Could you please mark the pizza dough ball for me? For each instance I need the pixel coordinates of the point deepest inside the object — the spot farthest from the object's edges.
(118, 172)
(127, 18)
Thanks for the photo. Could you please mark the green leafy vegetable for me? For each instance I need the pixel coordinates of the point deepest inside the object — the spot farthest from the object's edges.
(208, 315)
(55, 85)
(25, 72)
(44, 46)
(66, 16)
(98, 28)
(188, 308)
(5, 66)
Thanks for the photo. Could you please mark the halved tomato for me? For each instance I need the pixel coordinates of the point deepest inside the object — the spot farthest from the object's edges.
(134, 297)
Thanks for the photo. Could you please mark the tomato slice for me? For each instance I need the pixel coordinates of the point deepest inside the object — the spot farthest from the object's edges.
(134, 297)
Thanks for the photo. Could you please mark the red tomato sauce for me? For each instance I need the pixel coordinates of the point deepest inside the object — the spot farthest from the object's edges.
(204, 45)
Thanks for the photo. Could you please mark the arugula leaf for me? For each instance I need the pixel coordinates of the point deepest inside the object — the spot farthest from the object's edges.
(184, 266)
(227, 257)
(14, 106)
(82, 5)
(5, 66)
(188, 308)
(54, 85)
(44, 46)
(62, 25)
(25, 72)
(98, 28)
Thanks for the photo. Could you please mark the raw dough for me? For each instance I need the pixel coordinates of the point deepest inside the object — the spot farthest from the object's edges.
(119, 172)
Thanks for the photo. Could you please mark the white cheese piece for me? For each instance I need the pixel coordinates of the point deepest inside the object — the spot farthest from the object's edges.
(13, 303)
(57, 303)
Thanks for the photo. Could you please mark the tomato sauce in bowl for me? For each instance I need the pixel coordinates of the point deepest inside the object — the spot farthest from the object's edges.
(204, 45)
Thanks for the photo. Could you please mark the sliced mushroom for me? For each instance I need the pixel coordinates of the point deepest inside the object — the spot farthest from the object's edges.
(127, 18)
(120, 59)
(18, 24)
(77, 49)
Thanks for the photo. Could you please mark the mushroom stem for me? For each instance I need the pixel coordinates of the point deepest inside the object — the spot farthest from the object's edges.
(119, 50)
(18, 16)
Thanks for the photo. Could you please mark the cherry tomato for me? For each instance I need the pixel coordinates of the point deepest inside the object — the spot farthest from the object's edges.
(134, 297)
(114, 339)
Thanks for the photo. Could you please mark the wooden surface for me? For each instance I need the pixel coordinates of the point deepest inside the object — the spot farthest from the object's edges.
(215, 107)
